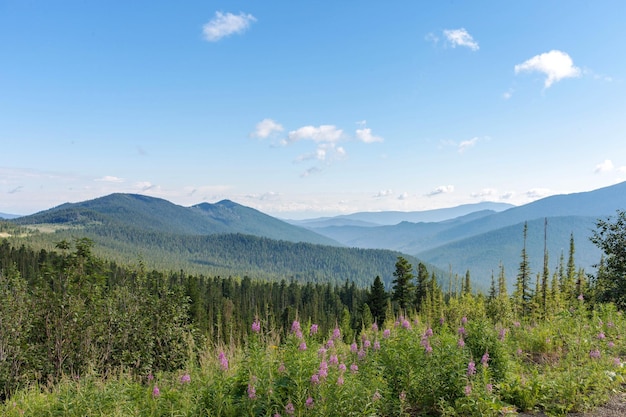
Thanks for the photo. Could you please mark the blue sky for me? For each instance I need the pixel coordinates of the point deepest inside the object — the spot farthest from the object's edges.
(306, 109)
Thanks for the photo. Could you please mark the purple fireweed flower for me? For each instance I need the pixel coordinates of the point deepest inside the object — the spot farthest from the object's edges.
(463, 320)
(309, 402)
(519, 352)
(333, 360)
(367, 343)
(386, 333)
(601, 336)
(251, 392)
(314, 329)
(256, 326)
(502, 334)
(428, 348)
(441, 321)
(376, 345)
(340, 380)
(611, 344)
(424, 341)
(517, 324)
(323, 373)
(277, 415)
(354, 368)
(617, 362)
(429, 332)
(468, 390)
(330, 344)
(299, 334)
(155, 391)
(361, 354)
(594, 354)
(342, 367)
(290, 409)
(489, 388)
(581, 297)
(223, 361)
(396, 323)
(150, 377)
(302, 346)
(374, 327)
(315, 379)
(471, 368)
(185, 379)
(610, 324)
(321, 352)
(406, 324)
(353, 347)
(461, 343)
(462, 331)
(336, 333)
(295, 326)
(281, 368)
(485, 359)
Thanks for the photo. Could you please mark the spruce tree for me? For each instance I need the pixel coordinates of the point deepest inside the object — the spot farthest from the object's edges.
(377, 300)
(403, 283)
(522, 294)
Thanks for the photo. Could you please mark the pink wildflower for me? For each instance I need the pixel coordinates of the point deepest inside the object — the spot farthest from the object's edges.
(336, 333)
(251, 392)
(485, 359)
(309, 402)
(155, 391)
(256, 325)
(295, 326)
(376, 396)
(185, 379)
(601, 336)
(340, 380)
(386, 333)
(468, 390)
(460, 343)
(594, 354)
(471, 368)
(374, 327)
(353, 347)
(302, 346)
(376, 345)
(463, 320)
(290, 409)
(223, 361)
(314, 329)
(354, 368)
(333, 360)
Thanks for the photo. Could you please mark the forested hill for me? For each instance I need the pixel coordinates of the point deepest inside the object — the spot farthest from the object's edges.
(230, 254)
(158, 215)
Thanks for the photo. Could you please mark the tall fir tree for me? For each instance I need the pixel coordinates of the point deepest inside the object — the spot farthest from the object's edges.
(403, 283)
(377, 300)
(522, 293)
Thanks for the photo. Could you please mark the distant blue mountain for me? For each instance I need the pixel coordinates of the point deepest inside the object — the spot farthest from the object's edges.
(383, 218)
(9, 216)
(481, 240)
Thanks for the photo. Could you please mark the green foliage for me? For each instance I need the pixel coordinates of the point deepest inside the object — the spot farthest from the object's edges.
(610, 237)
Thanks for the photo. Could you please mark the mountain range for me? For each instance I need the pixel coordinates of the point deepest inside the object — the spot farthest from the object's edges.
(228, 238)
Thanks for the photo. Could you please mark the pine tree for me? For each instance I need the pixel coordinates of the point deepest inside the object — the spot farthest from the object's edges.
(402, 283)
(467, 287)
(422, 285)
(522, 293)
(377, 300)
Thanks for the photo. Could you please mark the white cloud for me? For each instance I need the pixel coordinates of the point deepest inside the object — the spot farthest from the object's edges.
(508, 94)
(265, 128)
(556, 65)
(109, 178)
(537, 193)
(485, 192)
(403, 196)
(365, 135)
(460, 37)
(507, 195)
(323, 133)
(145, 186)
(466, 144)
(431, 37)
(442, 189)
(383, 193)
(605, 166)
(226, 24)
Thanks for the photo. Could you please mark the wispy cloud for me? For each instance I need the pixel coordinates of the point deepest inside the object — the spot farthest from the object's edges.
(460, 37)
(323, 133)
(110, 178)
(365, 135)
(466, 144)
(536, 193)
(265, 128)
(16, 189)
(442, 189)
(604, 166)
(327, 139)
(403, 196)
(383, 193)
(556, 65)
(485, 192)
(226, 24)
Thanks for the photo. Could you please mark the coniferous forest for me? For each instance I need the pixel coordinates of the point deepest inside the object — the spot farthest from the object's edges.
(83, 335)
